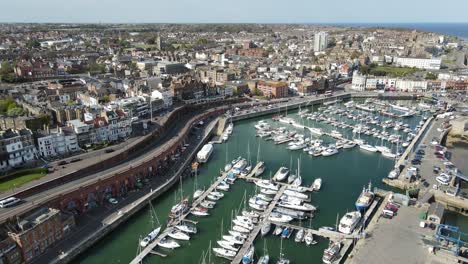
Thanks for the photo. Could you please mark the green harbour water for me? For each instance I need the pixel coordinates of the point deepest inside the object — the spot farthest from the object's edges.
(343, 175)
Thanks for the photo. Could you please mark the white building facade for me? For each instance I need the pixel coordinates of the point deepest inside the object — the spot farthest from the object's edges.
(427, 64)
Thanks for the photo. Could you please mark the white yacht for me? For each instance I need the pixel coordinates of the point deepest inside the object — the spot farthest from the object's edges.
(393, 174)
(309, 239)
(227, 245)
(281, 174)
(349, 221)
(317, 184)
(330, 151)
(168, 243)
(266, 227)
(234, 239)
(187, 228)
(222, 252)
(150, 237)
(179, 235)
(280, 218)
(259, 201)
(197, 194)
(240, 229)
(266, 184)
(368, 147)
(268, 191)
(260, 169)
(301, 207)
(295, 194)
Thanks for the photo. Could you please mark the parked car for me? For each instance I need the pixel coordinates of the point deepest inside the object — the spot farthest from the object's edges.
(109, 150)
(113, 201)
(63, 162)
(436, 169)
(391, 207)
(416, 162)
(443, 179)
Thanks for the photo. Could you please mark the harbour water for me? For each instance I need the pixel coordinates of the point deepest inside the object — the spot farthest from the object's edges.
(343, 176)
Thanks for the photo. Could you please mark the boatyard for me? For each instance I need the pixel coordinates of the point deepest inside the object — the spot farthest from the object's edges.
(276, 179)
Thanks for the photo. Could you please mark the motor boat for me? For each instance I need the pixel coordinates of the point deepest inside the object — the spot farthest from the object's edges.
(368, 147)
(297, 181)
(265, 228)
(179, 235)
(264, 197)
(180, 207)
(389, 154)
(300, 189)
(227, 245)
(207, 204)
(250, 214)
(295, 206)
(168, 243)
(365, 199)
(187, 228)
(150, 237)
(295, 194)
(260, 169)
(197, 194)
(349, 221)
(280, 218)
(227, 167)
(278, 230)
(393, 174)
(286, 232)
(222, 252)
(240, 229)
(238, 234)
(266, 184)
(243, 224)
(259, 201)
(349, 144)
(281, 174)
(246, 171)
(200, 211)
(291, 178)
(317, 184)
(223, 186)
(268, 191)
(330, 254)
(309, 239)
(299, 236)
(258, 207)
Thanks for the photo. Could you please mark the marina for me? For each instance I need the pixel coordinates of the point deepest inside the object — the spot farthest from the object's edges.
(347, 180)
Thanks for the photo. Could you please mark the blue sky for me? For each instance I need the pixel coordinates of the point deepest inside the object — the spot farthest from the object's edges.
(233, 11)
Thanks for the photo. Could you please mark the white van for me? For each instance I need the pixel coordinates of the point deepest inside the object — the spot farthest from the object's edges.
(10, 201)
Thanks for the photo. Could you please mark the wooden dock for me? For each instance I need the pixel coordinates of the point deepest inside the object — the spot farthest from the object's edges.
(237, 259)
(149, 249)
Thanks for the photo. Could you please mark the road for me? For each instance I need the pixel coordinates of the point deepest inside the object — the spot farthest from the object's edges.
(166, 142)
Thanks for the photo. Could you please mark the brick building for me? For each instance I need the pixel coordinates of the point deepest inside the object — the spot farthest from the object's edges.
(273, 89)
(39, 230)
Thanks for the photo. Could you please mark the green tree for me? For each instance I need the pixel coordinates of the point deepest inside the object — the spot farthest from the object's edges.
(15, 111)
(33, 43)
(317, 69)
(431, 76)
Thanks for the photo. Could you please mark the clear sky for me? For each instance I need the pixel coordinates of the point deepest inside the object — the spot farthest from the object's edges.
(234, 11)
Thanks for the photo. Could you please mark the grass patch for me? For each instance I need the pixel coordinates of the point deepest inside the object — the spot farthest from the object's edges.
(19, 178)
(392, 71)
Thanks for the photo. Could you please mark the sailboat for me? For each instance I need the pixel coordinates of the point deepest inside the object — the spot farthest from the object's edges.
(309, 237)
(265, 259)
(261, 167)
(249, 256)
(198, 192)
(153, 234)
(282, 259)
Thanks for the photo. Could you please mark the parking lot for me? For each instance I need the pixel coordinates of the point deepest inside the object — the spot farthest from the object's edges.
(396, 240)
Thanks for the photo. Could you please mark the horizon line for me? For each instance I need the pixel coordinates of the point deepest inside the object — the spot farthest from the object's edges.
(250, 23)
